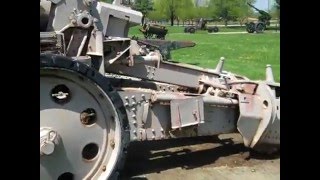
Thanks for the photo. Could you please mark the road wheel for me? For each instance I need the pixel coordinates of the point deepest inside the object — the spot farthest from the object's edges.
(250, 27)
(148, 35)
(192, 30)
(260, 27)
(186, 29)
(83, 126)
(215, 29)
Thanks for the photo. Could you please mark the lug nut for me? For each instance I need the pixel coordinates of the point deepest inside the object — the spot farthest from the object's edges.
(88, 116)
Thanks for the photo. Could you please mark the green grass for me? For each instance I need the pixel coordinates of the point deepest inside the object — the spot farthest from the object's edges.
(245, 54)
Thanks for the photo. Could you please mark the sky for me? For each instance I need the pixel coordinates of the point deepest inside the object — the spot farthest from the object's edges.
(262, 4)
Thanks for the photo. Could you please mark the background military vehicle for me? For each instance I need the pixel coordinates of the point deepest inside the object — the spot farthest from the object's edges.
(260, 24)
(201, 24)
(154, 31)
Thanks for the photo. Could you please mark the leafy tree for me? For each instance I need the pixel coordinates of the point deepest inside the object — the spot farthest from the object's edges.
(168, 8)
(243, 11)
(275, 11)
(278, 4)
(202, 12)
(230, 9)
(156, 15)
(144, 6)
(185, 10)
(278, 7)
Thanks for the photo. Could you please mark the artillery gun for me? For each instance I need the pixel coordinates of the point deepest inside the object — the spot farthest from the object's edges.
(201, 25)
(260, 24)
(154, 30)
(100, 90)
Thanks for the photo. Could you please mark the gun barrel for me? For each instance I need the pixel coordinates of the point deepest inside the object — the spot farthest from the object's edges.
(263, 13)
(253, 7)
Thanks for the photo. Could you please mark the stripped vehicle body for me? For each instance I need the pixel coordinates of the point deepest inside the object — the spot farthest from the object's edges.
(101, 90)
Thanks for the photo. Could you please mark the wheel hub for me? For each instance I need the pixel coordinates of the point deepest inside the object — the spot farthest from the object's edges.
(79, 134)
(48, 141)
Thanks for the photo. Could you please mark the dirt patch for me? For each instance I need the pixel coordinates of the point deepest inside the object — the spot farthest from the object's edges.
(222, 157)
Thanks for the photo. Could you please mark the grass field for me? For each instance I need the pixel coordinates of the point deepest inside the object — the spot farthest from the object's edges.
(245, 54)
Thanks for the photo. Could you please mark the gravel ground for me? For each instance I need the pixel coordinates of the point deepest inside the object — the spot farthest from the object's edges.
(222, 158)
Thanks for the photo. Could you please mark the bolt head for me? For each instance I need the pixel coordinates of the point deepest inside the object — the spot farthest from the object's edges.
(47, 148)
(104, 168)
(112, 144)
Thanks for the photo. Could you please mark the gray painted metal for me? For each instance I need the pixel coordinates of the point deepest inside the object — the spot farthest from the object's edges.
(52, 42)
(161, 99)
(64, 119)
(49, 139)
(186, 112)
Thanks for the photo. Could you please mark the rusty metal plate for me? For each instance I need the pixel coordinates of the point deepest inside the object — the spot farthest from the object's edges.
(186, 112)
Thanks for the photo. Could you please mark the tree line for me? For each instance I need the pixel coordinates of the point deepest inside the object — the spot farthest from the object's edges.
(182, 11)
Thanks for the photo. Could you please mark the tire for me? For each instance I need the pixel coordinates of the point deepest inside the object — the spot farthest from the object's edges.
(148, 35)
(210, 30)
(192, 30)
(215, 29)
(260, 27)
(250, 27)
(54, 67)
(161, 37)
(186, 29)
